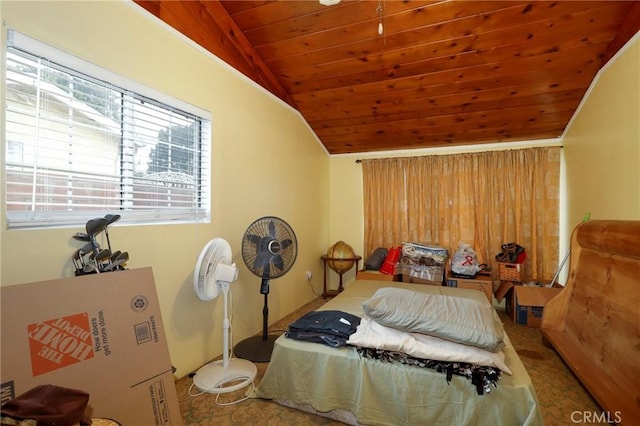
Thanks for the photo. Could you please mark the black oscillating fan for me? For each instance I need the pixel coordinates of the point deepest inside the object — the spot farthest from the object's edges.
(269, 249)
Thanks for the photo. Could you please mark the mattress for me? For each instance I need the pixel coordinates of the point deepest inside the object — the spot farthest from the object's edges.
(338, 381)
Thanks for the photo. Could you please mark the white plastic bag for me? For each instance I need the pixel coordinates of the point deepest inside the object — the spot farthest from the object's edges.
(465, 260)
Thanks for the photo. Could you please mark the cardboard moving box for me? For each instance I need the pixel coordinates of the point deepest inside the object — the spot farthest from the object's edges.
(484, 283)
(415, 280)
(525, 305)
(102, 334)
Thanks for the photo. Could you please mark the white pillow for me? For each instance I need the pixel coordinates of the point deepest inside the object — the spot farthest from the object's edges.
(370, 334)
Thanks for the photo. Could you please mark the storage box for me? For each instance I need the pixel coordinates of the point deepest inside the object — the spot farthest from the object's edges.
(422, 263)
(525, 304)
(480, 282)
(100, 333)
(416, 251)
(366, 274)
(422, 272)
(415, 280)
(430, 275)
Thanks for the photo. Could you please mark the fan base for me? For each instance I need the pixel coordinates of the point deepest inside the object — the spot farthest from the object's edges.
(216, 378)
(256, 349)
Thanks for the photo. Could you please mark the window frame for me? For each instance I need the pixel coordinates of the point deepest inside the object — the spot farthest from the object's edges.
(199, 210)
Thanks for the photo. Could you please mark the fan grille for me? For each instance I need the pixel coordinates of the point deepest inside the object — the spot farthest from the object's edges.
(269, 247)
(217, 250)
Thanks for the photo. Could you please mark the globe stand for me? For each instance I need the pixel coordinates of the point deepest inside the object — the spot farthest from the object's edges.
(331, 293)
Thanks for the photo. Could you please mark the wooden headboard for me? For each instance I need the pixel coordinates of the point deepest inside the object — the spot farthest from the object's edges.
(594, 322)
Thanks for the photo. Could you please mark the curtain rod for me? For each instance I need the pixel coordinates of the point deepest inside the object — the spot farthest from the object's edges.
(358, 161)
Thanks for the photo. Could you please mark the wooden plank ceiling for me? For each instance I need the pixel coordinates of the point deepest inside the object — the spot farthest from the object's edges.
(441, 73)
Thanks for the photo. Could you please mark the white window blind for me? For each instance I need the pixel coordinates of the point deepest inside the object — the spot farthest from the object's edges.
(80, 146)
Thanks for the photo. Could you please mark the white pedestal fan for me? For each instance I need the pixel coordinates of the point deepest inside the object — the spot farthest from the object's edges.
(214, 272)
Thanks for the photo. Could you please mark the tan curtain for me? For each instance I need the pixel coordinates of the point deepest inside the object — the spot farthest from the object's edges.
(482, 199)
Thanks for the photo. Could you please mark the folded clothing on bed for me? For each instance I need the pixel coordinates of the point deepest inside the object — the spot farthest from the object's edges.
(457, 319)
(330, 327)
(370, 334)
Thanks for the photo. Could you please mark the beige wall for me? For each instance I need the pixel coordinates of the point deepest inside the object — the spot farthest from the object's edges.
(602, 143)
(266, 161)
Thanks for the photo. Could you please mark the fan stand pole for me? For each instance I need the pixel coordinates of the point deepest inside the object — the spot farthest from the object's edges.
(265, 318)
(227, 375)
(258, 348)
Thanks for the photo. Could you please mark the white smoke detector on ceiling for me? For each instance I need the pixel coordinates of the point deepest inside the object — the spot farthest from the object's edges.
(329, 2)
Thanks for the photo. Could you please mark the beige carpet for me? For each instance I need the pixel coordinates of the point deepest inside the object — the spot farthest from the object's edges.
(559, 392)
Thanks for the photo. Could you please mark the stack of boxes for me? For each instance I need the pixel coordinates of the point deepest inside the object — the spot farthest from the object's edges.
(422, 264)
(524, 303)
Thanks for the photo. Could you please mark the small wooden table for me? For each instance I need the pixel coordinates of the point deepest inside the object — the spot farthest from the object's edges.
(331, 293)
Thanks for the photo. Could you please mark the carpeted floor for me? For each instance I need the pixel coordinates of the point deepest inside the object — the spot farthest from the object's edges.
(559, 392)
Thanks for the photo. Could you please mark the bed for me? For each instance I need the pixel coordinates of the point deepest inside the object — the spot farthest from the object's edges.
(341, 384)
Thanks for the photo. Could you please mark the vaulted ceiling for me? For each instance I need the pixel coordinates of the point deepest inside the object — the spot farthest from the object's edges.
(441, 73)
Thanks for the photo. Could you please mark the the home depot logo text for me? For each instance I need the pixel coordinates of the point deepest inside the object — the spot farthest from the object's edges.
(59, 342)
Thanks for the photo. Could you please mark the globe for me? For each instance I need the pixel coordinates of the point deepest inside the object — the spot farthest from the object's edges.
(340, 250)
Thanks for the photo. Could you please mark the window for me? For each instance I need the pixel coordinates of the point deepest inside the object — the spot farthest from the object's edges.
(83, 142)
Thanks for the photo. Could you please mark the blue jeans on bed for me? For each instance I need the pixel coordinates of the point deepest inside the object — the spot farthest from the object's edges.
(330, 327)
